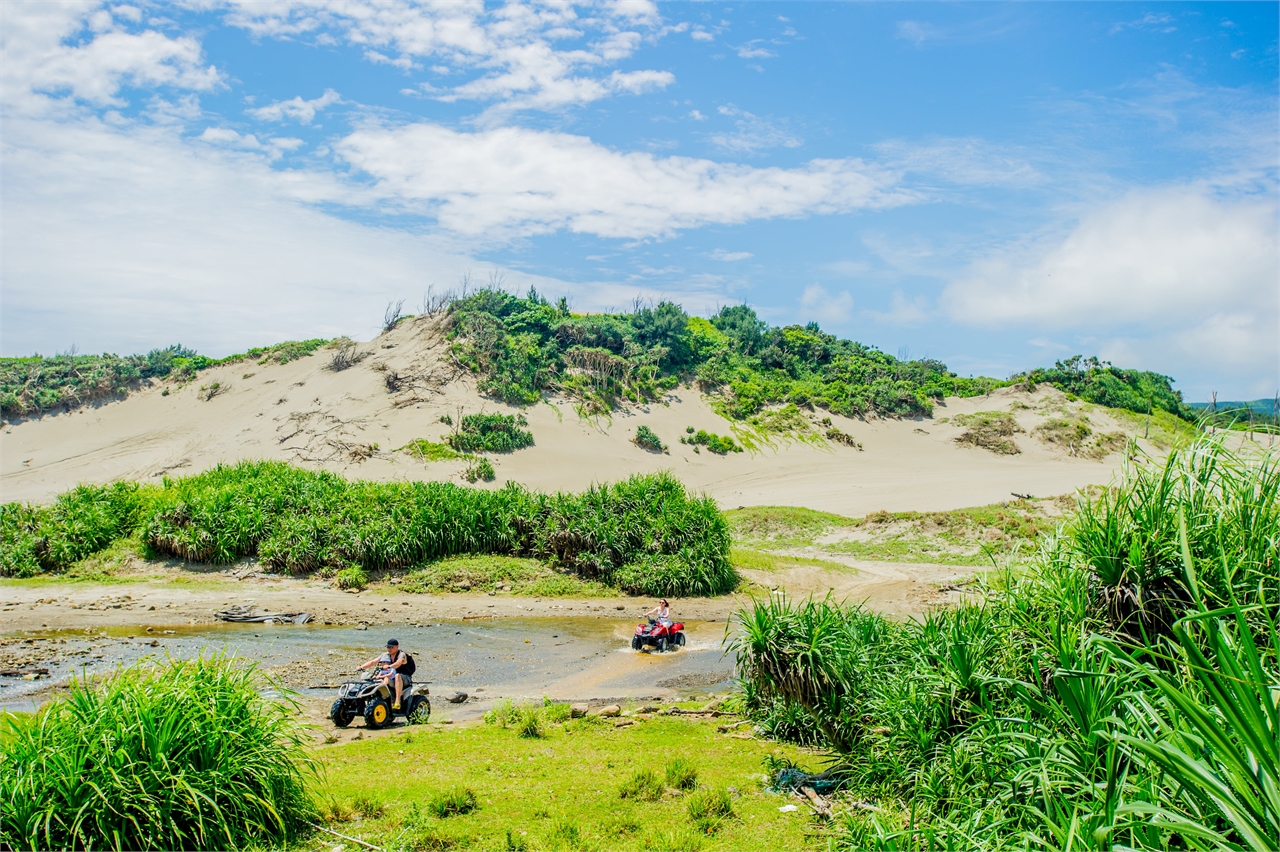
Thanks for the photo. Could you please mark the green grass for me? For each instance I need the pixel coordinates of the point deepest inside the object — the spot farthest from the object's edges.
(507, 574)
(431, 451)
(187, 755)
(1115, 691)
(783, 525)
(645, 535)
(561, 791)
(744, 558)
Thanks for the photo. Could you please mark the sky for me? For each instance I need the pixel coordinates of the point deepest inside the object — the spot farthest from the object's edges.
(997, 186)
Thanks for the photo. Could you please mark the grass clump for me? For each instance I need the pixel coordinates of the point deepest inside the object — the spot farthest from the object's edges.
(989, 430)
(491, 433)
(1119, 688)
(479, 470)
(718, 444)
(351, 578)
(647, 439)
(644, 785)
(455, 802)
(682, 774)
(644, 535)
(187, 755)
(708, 808)
(528, 719)
(430, 451)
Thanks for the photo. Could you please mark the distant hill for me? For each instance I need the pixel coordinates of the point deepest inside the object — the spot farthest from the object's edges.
(1260, 406)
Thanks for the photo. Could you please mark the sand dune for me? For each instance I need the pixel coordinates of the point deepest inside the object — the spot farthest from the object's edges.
(304, 413)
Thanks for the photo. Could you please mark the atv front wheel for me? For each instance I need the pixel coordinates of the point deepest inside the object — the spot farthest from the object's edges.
(419, 710)
(635, 643)
(339, 713)
(377, 714)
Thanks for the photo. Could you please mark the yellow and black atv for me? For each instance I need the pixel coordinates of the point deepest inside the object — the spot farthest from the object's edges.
(371, 698)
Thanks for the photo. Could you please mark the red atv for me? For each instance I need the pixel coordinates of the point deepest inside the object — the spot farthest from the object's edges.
(657, 635)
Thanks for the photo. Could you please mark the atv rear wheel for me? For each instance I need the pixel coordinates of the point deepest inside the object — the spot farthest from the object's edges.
(377, 714)
(418, 711)
(680, 639)
(339, 714)
(662, 644)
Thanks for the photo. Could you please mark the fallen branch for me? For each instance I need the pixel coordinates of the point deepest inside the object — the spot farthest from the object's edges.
(345, 837)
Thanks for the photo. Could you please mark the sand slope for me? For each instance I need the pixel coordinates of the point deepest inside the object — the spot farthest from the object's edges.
(304, 413)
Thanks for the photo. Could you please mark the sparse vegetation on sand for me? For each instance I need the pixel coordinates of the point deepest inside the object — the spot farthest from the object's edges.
(989, 430)
(521, 348)
(182, 755)
(645, 535)
(1102, 383)
(1118, 692)
(718, 444)
(971, 536)
(31, 386)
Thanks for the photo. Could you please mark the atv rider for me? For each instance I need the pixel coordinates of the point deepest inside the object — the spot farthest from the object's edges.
(387, 664)
(662, 611)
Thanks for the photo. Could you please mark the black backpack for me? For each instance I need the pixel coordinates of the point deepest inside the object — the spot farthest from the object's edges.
(409, 666)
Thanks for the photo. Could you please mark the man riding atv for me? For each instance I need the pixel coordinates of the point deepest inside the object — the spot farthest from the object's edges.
(387, 664)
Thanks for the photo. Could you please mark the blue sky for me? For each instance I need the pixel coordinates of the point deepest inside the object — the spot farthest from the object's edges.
(994, 185)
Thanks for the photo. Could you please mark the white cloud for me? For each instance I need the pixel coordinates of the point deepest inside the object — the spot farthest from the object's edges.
(918, 32)
(522, 56)
(752, 133)
(296, 108)
(1158, 253)
(903, 310)
(750, 50)
(721, 254)
(513, 181)
(963, 161)
(1185, 276)
(817, 304)
(700, 34)
(38, 63)
(1161, 23)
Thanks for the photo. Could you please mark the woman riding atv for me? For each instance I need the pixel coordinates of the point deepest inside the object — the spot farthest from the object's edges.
(662, 612)
(393, 659)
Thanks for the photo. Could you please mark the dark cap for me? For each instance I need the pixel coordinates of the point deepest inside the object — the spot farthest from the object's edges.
(391, 642)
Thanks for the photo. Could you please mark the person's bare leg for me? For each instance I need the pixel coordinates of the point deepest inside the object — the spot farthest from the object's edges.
(399, 680)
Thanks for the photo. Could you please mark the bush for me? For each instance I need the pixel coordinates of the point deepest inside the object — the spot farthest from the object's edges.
(188, 755)
(491, 433)
(646, 533)
(646, 439)
(1120, 687)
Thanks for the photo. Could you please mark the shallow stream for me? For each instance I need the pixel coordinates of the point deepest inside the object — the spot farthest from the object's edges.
(563, 658)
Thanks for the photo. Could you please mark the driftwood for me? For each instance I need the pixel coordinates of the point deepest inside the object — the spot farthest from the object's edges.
(21, 672)
(251, 614)
(819, 804)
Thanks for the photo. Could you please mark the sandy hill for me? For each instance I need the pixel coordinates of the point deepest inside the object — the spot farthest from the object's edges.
(306, 413)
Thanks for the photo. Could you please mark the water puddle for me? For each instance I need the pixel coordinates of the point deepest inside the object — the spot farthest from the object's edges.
(562, 657)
